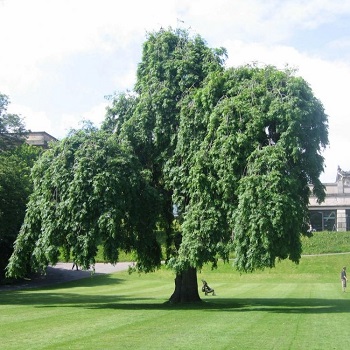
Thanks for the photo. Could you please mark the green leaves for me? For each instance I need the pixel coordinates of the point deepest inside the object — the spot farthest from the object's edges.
(272, 211)
(248, 146)
(88, 191)
(15, 187)
(12, 128)
(235, 149)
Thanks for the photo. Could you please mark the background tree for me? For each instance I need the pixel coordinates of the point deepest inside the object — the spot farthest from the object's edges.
(234, 149)
(89, 191)
(12, 128)
(16, 160)
(15, 187)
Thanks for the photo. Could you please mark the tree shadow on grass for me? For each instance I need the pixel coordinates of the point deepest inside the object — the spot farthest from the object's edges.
(270, 305)
(285, 305)
(58, 278)
(38, 284)
(63, 297)
(58, 294)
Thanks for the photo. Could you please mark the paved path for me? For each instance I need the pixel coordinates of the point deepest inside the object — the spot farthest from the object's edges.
(321, 254)
(62, 272)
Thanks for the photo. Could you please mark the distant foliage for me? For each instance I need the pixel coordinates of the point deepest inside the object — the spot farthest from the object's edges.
(12, 128)
(15, 188)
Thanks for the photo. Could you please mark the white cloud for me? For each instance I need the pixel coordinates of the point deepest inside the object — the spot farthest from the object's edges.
(268, 21)
(126, 80)
(307, 14)
(41, 32)
(70, 121)
(58, 27)
(33, 119)
(40, 37)
(58, 127)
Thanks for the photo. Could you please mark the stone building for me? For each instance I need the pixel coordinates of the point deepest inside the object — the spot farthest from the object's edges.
(334, 213)
(39, 138)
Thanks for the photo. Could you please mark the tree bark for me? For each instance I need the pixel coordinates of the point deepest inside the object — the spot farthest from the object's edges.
(186, 287)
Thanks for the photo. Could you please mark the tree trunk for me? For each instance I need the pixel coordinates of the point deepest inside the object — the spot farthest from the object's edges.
(186, 287)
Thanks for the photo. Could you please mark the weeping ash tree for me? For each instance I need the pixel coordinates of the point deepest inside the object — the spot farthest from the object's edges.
(233, 150)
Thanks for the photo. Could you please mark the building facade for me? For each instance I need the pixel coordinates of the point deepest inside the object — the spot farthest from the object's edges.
(39, 138)
(334, 213)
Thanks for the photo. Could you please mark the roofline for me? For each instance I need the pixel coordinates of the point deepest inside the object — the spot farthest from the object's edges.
(41, 132)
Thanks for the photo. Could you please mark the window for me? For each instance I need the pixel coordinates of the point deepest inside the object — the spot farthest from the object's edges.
(324, 220)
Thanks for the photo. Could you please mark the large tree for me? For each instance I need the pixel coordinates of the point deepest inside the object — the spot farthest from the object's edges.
(233, 150)
(173, 66)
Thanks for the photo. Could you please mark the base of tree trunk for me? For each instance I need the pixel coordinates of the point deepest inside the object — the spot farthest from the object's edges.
(186, 287)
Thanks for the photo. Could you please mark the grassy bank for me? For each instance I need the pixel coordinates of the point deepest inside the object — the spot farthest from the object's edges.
(289, 307)
(326, 242)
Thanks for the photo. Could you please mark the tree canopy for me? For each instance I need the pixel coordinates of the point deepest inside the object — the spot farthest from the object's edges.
(234, 149)
(248, 147)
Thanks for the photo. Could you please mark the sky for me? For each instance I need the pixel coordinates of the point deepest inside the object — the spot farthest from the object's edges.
(60, 59)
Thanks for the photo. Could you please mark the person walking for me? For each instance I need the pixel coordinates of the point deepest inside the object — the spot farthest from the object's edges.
(343, 278)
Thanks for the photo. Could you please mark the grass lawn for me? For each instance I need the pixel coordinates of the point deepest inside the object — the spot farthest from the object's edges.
(326, 242)
(290, 307)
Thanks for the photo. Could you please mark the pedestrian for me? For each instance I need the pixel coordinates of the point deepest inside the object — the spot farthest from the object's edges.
(343, 278)
(75, 265)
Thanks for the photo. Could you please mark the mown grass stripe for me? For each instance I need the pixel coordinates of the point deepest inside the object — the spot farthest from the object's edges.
(290, 307)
